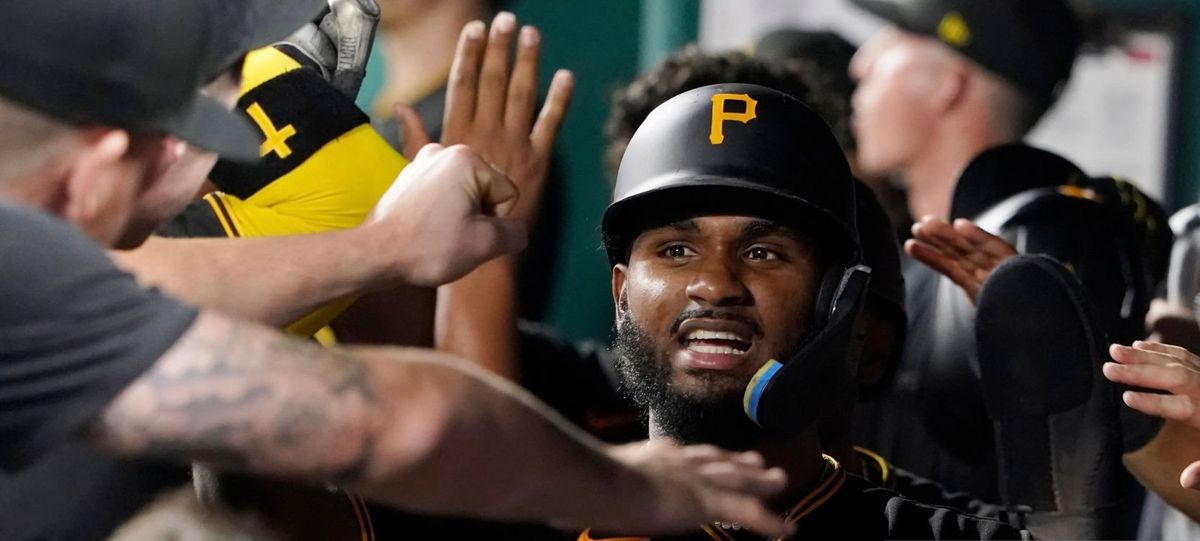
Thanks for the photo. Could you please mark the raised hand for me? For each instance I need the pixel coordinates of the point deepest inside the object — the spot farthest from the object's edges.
(962, 252)
(1163, 367)
(490, 106)
(447, 213)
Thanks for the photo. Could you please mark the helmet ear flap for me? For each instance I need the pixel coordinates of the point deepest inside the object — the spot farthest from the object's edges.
(831, 284)
(773, 398)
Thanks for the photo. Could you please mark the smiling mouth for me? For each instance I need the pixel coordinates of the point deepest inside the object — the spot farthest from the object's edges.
(716, 342)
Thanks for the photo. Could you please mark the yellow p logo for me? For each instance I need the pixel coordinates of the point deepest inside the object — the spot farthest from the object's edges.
(720, 116)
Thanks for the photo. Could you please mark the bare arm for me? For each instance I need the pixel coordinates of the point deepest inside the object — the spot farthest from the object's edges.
(411, 428)
(274, 280)
(441, 218)
(1158, 464)
(476, 317)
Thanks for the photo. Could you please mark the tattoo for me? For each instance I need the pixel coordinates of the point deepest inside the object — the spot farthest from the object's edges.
(238, 396)
(297, 422)
(357, 469)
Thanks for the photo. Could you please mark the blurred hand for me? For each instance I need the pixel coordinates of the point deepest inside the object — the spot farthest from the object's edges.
(697, 484)
(446, 214)
(962, 252)
(1166, 368)
(490, 108)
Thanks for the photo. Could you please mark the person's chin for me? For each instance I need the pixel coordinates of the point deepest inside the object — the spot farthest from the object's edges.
(712, 385)
(870, 164)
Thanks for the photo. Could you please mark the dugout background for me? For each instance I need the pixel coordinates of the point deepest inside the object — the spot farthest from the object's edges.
(606, 42)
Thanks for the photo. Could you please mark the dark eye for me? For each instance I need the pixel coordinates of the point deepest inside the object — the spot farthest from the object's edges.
(759, 253)
(677, 251)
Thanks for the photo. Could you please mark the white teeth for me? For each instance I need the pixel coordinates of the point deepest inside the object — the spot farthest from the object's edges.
(720, 350)
(712, 335)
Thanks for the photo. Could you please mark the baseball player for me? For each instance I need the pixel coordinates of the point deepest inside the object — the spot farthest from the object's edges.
(944, 96)
(737, 285)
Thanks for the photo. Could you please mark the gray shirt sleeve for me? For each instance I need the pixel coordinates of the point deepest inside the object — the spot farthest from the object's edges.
(74, 332)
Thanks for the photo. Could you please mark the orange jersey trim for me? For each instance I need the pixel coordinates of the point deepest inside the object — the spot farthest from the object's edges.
(586, 536)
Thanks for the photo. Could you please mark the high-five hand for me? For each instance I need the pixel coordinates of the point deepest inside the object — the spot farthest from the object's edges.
(962, 252)
(490, 107)
(1167, 368)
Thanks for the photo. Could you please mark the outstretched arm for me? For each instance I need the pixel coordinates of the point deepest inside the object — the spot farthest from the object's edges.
(444, 215)
(411, 428)
(274, 280)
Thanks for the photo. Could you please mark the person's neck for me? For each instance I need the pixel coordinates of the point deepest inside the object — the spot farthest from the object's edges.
(933, 174)
(33, 190)
(419, 53)
(799, 456)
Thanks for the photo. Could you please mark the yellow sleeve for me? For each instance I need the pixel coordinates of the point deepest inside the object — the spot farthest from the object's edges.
(323, 168)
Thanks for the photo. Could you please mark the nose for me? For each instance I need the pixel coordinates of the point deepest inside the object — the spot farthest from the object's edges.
(717, 282)
(864, 58)
(858, 64)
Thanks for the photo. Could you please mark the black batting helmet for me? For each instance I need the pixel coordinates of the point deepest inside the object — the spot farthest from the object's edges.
(737, 148)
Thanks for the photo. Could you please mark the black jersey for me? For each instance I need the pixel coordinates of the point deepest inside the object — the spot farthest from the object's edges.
(850, 507)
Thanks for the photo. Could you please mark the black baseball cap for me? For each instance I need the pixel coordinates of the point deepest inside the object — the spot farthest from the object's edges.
(1030, 43)
(139, 65)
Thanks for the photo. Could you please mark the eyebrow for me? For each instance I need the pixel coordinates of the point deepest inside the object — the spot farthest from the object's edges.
(684, 225)
(756, 228)
(761, 228)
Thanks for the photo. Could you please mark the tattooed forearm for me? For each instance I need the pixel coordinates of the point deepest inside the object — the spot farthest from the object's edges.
(242, 397)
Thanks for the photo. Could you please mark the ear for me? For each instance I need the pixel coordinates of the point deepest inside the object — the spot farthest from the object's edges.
(619, 273)
(950, 88)
(96, 178)
(163, 155)
(170, 150)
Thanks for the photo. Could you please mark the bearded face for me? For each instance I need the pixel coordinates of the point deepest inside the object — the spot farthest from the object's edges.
(701, 306)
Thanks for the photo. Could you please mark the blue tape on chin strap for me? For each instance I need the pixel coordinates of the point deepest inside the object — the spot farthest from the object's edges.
(755, 389)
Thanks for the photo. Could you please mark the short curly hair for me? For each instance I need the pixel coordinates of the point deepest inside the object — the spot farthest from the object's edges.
(691, 68)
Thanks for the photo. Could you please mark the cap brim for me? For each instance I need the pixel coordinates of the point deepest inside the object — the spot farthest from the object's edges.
(709, 195)
(266, 22)
(897, 12)
(208, 124)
